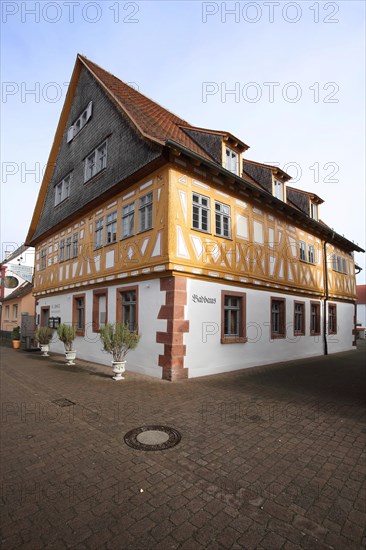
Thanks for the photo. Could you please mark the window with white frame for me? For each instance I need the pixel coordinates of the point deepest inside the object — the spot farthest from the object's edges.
(98, 233)
(62, 190)
(128, 220)
(80, 122)
(146, 212)
(302, 250)
(278, 189)
(96, 161)
(222, 219)
(15, 312)
(231, 161)
(200, 212)
(314, 211)
(7, 313)
(43, 258)
(111, 228)
(311, 254)
(339, 264)
(68, 248)
(75, 241)
(62, 250)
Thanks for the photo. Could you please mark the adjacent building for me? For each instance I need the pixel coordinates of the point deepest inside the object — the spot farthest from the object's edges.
(361, 306)
(212, 257)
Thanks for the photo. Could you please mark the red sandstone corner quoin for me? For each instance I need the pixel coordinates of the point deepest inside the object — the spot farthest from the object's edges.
(172, 361)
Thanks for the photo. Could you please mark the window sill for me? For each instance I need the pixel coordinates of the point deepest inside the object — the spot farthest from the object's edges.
(96, 176)
(201, 230)
(315, 333)
(61, 202)
(299, 333)
(80, 332)
(223, 237)
(278, 336)
(143, 231)
(234, 340)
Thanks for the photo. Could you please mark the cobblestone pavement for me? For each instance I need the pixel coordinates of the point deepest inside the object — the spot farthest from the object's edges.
(271, 457)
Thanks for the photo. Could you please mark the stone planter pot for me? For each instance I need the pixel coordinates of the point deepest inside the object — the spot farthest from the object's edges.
(70, 357)
(45, 348)
(118, 369)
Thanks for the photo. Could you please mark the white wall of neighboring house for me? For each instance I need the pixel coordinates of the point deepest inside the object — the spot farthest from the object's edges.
(19, 266)
(361, 315)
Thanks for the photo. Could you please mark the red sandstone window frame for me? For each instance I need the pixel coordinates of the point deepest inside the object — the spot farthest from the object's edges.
(79, 331)
(45, 311)
(119, 306)
(282, 319)
(242, 338)
(95, 316)
(300, 332)
(332, 327)
(315, 332)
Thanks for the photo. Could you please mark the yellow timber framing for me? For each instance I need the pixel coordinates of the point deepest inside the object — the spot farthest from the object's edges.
(267, 257)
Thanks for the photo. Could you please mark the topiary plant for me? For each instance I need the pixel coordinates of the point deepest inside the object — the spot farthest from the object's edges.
(43, 335)
(118, 340)
(67, 335)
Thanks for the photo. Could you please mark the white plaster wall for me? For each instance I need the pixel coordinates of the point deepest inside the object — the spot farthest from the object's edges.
(361, 314)
(206, 354)
(342, 341)
(144, 359)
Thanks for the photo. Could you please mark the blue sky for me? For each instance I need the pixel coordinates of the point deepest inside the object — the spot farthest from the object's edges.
(188, 56)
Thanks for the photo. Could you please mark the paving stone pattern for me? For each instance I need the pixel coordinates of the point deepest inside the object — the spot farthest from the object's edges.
(270, 458)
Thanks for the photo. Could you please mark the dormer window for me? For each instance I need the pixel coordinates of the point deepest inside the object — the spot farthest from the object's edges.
(314, 211)
(278, 189)
(231, 161)
(79, 122)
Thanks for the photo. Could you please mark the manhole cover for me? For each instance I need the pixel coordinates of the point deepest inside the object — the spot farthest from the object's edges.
(63, 402)
(152, 438)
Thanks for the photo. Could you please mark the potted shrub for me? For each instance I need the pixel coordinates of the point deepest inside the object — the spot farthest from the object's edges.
(67, 335)
(43, 336)
(15, 336)
(118, 340)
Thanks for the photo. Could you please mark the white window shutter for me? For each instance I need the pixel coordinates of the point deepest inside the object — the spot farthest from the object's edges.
(89, 110)
(70, 133)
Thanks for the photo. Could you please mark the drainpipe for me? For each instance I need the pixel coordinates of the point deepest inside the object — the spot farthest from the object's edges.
(326, 292)
(326, 298)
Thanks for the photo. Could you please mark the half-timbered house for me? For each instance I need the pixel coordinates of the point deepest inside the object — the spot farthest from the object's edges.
(213, 258)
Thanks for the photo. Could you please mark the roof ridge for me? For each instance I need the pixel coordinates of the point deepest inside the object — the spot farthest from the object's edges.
(151, 119)
(181, 122)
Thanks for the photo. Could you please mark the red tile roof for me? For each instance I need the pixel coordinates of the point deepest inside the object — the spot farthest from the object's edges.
(151, 119)
(361, 294)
